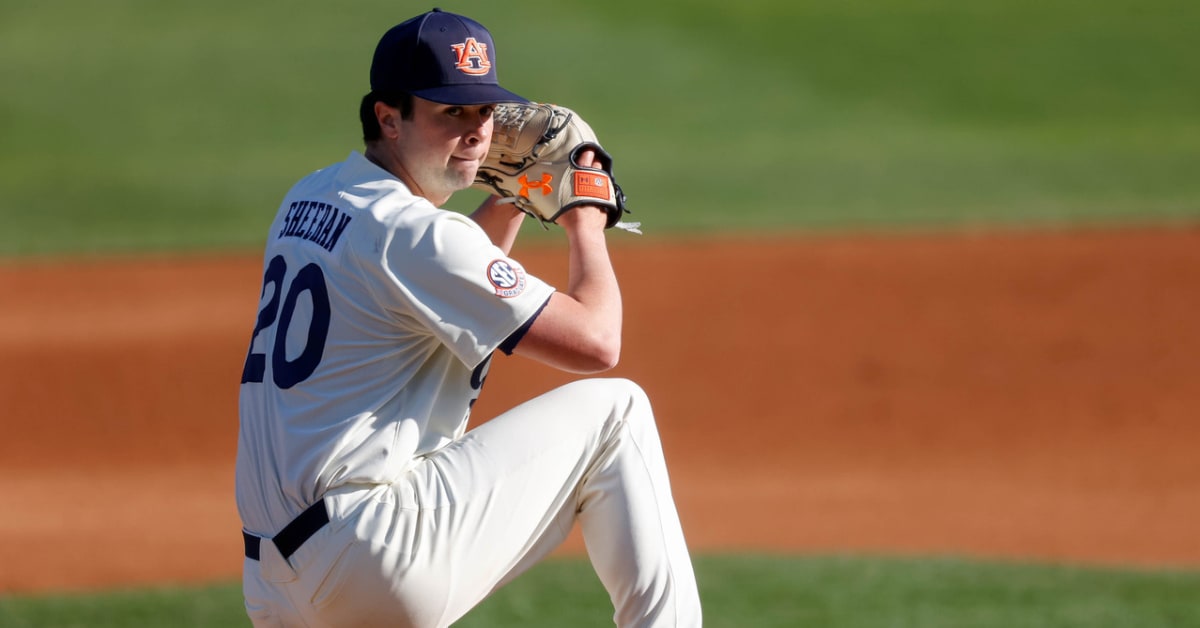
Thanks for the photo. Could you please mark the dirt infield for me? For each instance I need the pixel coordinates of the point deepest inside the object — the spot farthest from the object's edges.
(1001, 395)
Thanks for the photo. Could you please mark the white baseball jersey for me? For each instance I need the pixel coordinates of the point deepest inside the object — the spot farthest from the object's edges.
(379, 313)
(377, 318)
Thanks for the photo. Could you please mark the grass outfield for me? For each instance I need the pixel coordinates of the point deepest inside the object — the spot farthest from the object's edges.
(740, 592)
(139, 124)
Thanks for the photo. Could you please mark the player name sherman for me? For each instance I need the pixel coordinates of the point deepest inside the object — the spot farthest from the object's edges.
(316, 222)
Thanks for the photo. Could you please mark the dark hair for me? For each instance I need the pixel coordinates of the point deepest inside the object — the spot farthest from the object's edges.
(366, 111)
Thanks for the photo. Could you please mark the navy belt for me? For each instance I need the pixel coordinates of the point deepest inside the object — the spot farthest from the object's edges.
(293, 535)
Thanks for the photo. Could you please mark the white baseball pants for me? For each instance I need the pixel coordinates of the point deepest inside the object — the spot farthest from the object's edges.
(473, 516)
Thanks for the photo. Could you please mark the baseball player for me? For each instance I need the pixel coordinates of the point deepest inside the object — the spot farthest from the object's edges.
(363, 499)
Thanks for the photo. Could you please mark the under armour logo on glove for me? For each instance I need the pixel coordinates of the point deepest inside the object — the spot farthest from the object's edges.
(544, 185)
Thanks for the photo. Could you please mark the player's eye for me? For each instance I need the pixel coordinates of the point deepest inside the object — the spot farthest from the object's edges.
(485, 112)
(454, 111)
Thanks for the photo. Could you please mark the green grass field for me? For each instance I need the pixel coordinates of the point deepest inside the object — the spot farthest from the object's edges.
(739, 592)
(136, 125)
(140, 125)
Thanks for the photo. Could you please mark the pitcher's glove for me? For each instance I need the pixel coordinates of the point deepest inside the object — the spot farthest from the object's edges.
(532, 162)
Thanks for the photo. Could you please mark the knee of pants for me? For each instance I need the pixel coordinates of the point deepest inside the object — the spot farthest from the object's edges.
(626, 404)
(638, 402)
(626, 400)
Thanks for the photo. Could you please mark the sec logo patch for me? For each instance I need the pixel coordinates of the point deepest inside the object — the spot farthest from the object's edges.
(507, 277)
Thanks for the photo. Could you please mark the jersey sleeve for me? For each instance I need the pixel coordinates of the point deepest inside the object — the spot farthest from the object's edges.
(462, 288)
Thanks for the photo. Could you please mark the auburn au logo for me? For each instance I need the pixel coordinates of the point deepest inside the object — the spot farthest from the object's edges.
(471, 57)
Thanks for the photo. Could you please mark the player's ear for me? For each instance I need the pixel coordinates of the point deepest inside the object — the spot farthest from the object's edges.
(389, 120)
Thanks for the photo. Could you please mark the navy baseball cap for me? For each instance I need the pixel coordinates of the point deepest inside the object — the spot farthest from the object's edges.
(439, 56)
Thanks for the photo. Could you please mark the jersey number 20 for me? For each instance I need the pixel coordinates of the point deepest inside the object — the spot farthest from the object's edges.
(284, 372)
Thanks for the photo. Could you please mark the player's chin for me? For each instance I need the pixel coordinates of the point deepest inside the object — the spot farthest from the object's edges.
(464, 169)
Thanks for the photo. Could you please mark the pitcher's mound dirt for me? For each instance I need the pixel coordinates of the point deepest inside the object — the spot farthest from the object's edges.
(1002, 395)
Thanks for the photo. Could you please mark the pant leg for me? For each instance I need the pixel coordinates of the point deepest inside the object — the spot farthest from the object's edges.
(507, 494)
(262, 598)
(644, 564)
(474, 515)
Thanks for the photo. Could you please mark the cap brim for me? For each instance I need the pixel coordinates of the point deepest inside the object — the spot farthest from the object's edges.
(468, 94)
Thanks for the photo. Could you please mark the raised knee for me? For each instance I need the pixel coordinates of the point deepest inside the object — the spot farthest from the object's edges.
(625, 392)
(630, 388)
(631, 401)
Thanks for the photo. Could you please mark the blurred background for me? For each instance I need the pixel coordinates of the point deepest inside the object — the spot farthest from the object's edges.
(137, 124)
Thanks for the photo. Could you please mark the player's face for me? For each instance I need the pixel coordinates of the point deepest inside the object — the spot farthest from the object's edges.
(442, 146)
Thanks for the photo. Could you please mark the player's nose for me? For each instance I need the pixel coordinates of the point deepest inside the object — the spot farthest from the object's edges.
(477, 133)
